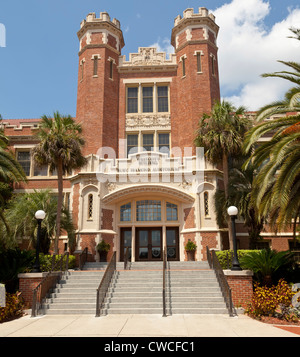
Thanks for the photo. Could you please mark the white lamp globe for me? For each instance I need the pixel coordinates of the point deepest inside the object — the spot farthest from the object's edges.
(40, 214)
(232, 211)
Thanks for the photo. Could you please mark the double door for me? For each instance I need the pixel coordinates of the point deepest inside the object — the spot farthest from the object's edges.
(149, 243)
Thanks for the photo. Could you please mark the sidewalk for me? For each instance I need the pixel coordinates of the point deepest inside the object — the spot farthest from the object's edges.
(141, 326)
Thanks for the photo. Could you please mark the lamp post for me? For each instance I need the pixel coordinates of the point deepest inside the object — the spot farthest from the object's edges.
(39, 215)
(233, 211)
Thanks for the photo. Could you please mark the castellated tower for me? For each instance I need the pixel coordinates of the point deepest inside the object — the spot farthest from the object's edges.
(101, 41)
(194, 38)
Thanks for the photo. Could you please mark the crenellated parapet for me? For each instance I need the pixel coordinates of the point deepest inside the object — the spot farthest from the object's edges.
(193, 27)
(100, 31)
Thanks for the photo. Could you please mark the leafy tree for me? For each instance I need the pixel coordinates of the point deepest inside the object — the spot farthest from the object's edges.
(221, 134)
(60, 148)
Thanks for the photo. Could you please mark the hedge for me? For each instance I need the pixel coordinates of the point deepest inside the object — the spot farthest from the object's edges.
(225, 257)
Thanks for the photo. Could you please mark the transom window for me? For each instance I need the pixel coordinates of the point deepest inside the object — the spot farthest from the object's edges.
(148, 210)
(125, 212)
(172, 214)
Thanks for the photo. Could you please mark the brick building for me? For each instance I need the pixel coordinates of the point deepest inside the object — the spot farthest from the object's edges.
(145, 185)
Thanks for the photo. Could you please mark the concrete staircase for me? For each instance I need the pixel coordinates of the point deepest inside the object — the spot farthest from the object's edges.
(191, 288)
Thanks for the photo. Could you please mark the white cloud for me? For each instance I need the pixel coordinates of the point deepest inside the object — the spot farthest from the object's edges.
(247, 49)
(163, 46)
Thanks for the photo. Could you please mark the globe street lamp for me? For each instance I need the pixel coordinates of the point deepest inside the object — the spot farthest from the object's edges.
(39, 215)
(233, 211)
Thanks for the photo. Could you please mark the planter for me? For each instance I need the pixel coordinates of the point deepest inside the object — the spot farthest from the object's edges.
(103, 256)
(190, 255)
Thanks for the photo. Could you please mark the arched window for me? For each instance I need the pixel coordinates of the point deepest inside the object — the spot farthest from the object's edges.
(90, 206)
(206, 204)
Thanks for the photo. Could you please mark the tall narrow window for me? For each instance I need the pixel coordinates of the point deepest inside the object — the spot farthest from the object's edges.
(163, 98)
(206, 204)
(111, 67)
(132, 100)
(147, 99)
(95, 71)
(164, 143)
(199, 64)
(213, 65)
(183, 67)
(148, 143)
(23, 157)
(90, 206)
(82, 69)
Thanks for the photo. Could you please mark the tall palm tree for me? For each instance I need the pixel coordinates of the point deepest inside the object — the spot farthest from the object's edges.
(60, 148)
(276, 188)
(221, 134)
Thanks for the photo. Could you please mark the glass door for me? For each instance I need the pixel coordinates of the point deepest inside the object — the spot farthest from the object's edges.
(126, 239)
(149, 244)
(172, 243)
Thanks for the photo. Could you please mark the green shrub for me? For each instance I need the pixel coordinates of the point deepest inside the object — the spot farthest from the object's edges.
(46, 261)
(14, 307)
(190, 246)
(225, 258)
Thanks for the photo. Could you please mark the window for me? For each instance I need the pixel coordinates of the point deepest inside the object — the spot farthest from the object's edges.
(183, 67)
(95, 70)
(199, 65)
(125, 212)
(164, 143)
(90, 206)
(148, 210)
(132, 100)
(82, 68)
(40, 170)
(172, 214)
(23, 157)
(213, 64)
(163, 98)
(111, 69)
(148, 144)
(206, 204)
(147, 99)
(132, 144)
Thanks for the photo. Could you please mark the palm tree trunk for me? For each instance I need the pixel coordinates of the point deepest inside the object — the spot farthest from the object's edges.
(59, 204)
(226, 179)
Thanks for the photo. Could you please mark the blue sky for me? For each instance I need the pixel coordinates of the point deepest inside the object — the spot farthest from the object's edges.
(38, 65)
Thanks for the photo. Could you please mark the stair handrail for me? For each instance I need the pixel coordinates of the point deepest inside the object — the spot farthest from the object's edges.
(214, 264)
(83, 257)
(105, 282)
(48, 283)
(126, 258)
(164, 282)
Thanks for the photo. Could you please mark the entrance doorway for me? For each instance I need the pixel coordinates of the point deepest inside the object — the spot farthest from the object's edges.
(149, 243)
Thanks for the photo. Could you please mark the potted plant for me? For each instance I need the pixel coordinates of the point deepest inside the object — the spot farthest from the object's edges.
(190, 248)
(103, 248)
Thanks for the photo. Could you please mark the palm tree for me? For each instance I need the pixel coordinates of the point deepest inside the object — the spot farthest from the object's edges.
(240, 195)
(10, 171)
(221, 134)
(276, 188)
(60, 148)
(20, 215)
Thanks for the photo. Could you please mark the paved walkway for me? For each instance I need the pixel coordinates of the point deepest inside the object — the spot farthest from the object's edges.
(141, 326)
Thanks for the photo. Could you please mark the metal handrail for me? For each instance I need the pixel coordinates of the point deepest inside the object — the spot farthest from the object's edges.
(105, 282)
(83, 257)
(226, 290)
(48, 283)
(164, 282)
(126, 258)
